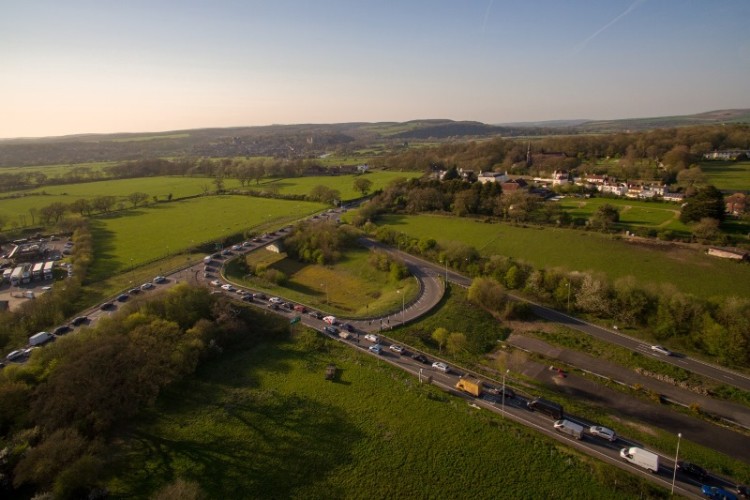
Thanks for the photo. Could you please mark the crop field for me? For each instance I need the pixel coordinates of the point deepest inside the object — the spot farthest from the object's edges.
(577, 250)
(729, 175)
(633, 213)
(343, 183)
(264, 423)
(134, 237)
(350, 288)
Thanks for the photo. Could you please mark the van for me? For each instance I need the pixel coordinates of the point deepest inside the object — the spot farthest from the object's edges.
(40, 338)
(641, 458)
(549, 408)
(570, 428)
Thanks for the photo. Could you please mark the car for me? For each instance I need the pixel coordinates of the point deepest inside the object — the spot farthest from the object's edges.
(61, 330)
(259, 296)
(692, 470)
(79, 320)
(273, 306)
(603, 432)
(742, 490)
(717, 493)
(240, 291)
(289, 305)
(316, 315)
(216, 283)
(236, 247)
(275, 300)
(300, 308)
(498, 391)
(372, 338)
(661, 350)
(376, 348)
(226, 251)
(246, 244)
(227, 287)
(349, 328)
(396, 348)
(421, 358)
(123, 297)
(107, 306)
(331, 329)
(147, 286)
(16, 355)
(159, 279)
(440, 366)
(256, 240)
(134, 291)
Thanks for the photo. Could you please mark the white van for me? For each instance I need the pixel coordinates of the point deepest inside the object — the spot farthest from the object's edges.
(40, 338)
(641, 458)
(570, 428)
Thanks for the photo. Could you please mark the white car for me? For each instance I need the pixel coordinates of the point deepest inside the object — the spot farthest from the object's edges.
(275, 300)
(603, 432)
(147, 285)
(376, 348)
(216, 283)
(661, 350)
(440, 366)
(396, 348)
(372, 338)
(159, 279)
(227, 287)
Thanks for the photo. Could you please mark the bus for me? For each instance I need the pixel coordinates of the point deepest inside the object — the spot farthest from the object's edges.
(15, 276)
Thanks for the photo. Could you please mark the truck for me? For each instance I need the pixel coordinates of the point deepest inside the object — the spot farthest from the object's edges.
(471, 386)
(570, 428)
(549, 408)
(642, 458)
(40, 338)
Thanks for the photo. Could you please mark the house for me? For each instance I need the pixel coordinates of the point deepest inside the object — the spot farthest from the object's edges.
(363, 168)
(674, 197)
(736, 204)
(512, 185)
(616, 188)
(560, 177)
(485, 177)
(726, 154)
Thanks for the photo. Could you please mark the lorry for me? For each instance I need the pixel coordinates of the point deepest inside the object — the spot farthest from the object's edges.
(549, 408)
(641, 458)
(570, 428)
(40, 338)
(471, 386)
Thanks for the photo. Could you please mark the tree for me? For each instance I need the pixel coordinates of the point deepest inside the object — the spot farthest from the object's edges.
(219, 183)
(137, 198)
(456, 343)
(34, 212)
(362, 185)
(605, 217)
(707, 202)
(81, 206)
(487, 293)
(706, 229)
(692, 176)
(53, 212)
(104, 204)
(440, 335)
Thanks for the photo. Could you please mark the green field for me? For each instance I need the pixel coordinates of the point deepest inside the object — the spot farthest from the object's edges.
(57, 170)
(633, 213)
(266, 424)
(133, 237)
(343, 183)
(728, 175)
(349, 288)
(574, 250)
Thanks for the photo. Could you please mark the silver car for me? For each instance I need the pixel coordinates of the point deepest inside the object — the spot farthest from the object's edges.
(603, 432)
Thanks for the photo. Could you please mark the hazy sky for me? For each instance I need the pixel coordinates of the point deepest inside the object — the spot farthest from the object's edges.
(76, 66)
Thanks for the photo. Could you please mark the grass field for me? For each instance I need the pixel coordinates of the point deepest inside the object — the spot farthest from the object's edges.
(633, 213)
(264, 423)
(343, 183)
(133, 237)
(349, 288)
(729, 175)
(57, 170)
(576, 250)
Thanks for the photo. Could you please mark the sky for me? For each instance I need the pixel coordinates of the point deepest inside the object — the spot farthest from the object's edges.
(101, 66)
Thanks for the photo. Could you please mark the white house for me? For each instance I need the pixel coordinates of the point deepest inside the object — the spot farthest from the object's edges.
(485, 177)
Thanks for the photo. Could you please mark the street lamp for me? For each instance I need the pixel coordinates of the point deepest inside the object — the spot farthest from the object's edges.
(503, 394)
(677, 454)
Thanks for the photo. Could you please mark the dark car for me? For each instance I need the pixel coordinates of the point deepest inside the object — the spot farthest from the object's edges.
(273, 306)
(349, 328)
(316, 315)
(259, 296)
(107, 306)
(247, 297)
(421, 358)
(743, 491)
(123, 297)
(331, 329)
(288, 305)
(61, 330)
(692, 470)
(79, 320)
(498, 391)
(134, 291)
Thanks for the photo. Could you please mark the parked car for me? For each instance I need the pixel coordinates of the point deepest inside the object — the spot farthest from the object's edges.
(273, 306)
(376, 348)
(16, 355)
(331, 329)
(107, 306)
(717, 493)
(661, 350)
(123, 297)
(147, 286)
(134, 291)
(692, 470)
(79, 320)
(216, 283)
(227, 287)
(396, 348)
(372, 338)
(236, 247)
(603, 432)
(259, 296)
(440, 366)
(275, 300)
(159, 279)
(421, 358)
(247, 297)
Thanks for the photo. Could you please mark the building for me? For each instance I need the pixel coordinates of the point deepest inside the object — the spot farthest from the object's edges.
(736, 204)
(497, 177)
(727, 154)
(512, 185)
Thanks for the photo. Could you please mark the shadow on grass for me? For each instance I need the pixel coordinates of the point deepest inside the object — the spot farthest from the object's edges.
(104, 264)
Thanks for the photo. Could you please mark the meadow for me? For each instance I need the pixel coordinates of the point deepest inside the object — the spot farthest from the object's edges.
(633, 213)
(264, 423)
(342, 183)
(728, 175)
(349, 288)
(131, 238)
(576, 250)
